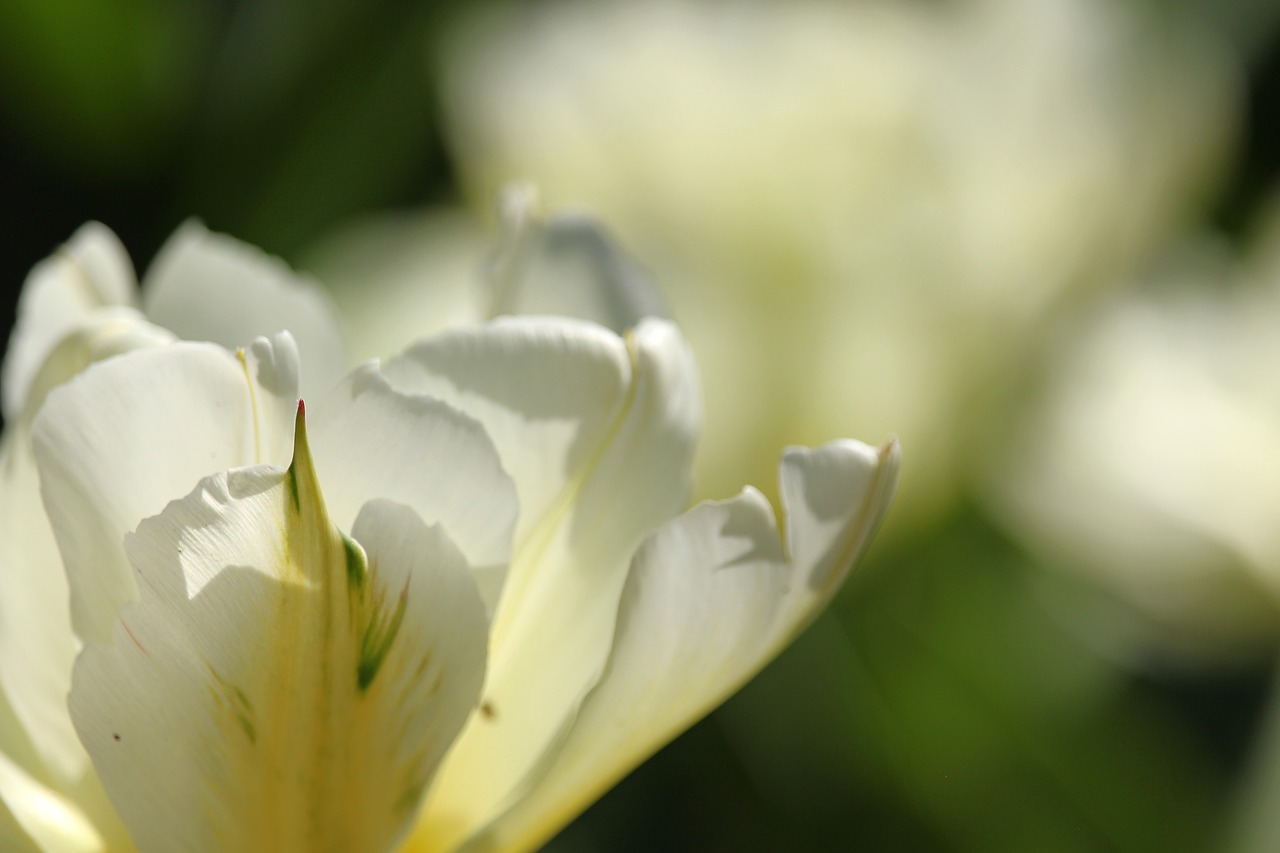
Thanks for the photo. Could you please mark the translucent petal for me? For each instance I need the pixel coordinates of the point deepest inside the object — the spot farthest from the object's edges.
(566, 265)
(37, 648)
(36, 818)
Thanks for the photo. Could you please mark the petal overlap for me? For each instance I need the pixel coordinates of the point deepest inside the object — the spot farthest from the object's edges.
(91, 271)
(426, 454)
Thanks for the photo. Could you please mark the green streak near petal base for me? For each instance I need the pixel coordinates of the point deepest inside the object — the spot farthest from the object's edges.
(232, 699)
(378, 636)
(357, 571)
(376, 624)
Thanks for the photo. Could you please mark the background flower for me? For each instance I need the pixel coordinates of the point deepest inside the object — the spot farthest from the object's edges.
(1150, 455)
(862, 189)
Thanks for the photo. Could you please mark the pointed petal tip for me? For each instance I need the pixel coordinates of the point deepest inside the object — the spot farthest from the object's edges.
(889, 457)
(300, 448)
(300, 477)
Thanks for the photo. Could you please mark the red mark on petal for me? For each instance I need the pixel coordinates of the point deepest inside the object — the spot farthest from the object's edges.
(125, 625)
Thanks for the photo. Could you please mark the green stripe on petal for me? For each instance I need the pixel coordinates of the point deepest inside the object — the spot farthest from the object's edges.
(377, 637)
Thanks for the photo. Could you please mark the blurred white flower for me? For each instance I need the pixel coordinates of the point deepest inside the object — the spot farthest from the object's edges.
(1150, 464)
(861, 212)
(1151, 458)
(472, 582)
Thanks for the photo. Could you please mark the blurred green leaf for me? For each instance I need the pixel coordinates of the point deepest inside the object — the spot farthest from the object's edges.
(1247, 24)
(317, 111)
(947, 688)
(101, 83)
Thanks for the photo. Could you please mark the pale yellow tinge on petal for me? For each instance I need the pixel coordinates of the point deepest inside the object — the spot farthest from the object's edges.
(253, 405)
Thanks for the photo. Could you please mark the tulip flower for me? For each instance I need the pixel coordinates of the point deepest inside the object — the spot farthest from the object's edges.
(443, 606)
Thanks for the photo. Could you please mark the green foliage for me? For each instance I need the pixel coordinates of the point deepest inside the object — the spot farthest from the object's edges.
(316, 111)
(101, 83)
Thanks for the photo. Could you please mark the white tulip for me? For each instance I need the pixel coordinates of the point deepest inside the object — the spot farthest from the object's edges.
(444, 607)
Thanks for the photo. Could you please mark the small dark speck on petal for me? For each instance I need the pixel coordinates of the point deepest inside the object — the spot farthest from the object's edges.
(487, 710)
(115, 737)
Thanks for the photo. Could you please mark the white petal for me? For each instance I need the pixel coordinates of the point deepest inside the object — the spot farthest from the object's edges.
(834, 498)
(279, 687)
(371, 441)
(597, 433)
(435, 669)
(709, 601)
(116, 443)
(566, 265)
(100, 334)
(36, 818)
(210, 287)
(37, 647)
(543, 391)
(91, 271)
